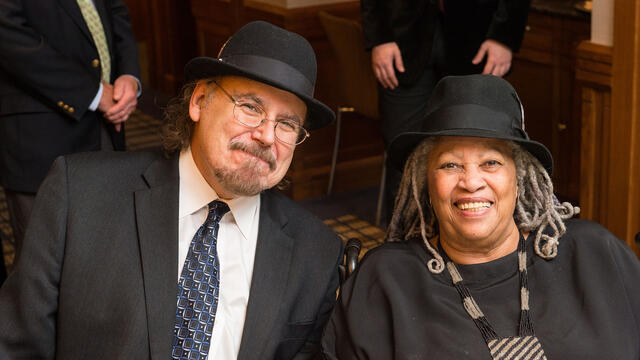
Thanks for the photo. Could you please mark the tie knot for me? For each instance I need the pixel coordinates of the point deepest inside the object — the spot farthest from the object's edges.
(217, 209)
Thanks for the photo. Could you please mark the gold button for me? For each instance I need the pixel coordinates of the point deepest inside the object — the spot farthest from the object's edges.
(71, 110)
(66, 107)
(95, 63)
(60, 103)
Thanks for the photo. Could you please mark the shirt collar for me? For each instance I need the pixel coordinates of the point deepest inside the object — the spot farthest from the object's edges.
(195, 193)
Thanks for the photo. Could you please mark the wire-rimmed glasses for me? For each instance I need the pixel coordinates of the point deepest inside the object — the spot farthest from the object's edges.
(250, 113)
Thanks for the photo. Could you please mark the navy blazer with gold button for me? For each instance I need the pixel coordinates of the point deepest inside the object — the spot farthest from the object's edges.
(49, 75)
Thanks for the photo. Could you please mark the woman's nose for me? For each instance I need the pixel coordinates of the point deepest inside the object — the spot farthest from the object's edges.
(471, 179)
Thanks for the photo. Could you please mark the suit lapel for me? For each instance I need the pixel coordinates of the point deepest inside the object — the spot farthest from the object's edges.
(270, 274)
(157, 222)
(72, 8)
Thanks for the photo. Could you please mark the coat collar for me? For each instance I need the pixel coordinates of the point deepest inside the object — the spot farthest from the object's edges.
(157, 223)
(72, 8)
(270, 275)
(156, 217)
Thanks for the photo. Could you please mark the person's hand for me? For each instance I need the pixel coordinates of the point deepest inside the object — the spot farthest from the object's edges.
(106, 101)
(498, 57)
(383, 59)
(125, 91)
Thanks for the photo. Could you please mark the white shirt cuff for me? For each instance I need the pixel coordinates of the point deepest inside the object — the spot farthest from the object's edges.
(96, 100)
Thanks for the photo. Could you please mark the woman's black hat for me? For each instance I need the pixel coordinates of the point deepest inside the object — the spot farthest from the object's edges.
(264, 52)
(483, 106)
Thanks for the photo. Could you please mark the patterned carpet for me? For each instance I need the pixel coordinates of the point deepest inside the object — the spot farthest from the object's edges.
(350, 226)
(142, 132)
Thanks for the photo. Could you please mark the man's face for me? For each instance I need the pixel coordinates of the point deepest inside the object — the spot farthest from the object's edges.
(237, 160)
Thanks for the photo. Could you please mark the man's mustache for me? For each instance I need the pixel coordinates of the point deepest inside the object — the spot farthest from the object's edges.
(256, 150)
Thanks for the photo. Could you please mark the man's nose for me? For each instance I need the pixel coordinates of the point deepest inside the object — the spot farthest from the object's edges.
(265, 132)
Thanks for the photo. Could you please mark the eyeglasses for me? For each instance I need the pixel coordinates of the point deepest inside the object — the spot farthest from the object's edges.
(250, 113)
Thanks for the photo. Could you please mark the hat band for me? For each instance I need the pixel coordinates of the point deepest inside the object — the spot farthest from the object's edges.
(471, 116)
(274, 70)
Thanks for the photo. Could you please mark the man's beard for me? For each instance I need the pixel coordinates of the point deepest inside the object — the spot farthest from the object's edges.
(245, 181)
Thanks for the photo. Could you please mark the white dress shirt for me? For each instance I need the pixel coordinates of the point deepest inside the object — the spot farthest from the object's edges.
(237, 237)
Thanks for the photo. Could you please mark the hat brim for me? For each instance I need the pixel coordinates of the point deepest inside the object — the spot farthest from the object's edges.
(318, 114)
(403, 145)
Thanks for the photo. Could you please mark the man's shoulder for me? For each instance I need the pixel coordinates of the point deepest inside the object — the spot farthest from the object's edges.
(299, 221)
(113, 156)
(120, 161)
(111, 167)
(275, 198)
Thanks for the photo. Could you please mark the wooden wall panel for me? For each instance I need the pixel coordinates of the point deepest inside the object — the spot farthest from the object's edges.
(143, 31)
(596, 122)
(543, 75)
(624, 156)
(593, 76)
(215, 20)
(610, 150)
(165, 31)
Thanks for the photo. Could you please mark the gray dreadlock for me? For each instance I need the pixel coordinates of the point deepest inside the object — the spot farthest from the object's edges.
(536, 206)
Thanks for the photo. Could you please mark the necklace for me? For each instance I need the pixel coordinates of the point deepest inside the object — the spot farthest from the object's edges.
(524, 346)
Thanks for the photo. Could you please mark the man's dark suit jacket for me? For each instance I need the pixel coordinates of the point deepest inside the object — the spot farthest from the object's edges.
(49, 74)
(97, 277)
(466, 24)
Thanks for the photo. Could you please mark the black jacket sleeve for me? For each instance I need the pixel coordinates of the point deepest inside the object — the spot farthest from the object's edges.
(375, 23)
(508, 23)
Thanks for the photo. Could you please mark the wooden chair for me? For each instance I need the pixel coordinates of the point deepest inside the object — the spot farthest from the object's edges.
(357, 82)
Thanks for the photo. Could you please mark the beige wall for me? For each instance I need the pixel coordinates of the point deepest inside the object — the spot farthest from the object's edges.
(602, 22)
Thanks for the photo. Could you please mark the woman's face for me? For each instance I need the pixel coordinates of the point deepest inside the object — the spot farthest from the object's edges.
(473, 190)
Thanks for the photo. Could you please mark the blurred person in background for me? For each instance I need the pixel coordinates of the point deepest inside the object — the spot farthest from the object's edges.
(415, 43)
(68, 81)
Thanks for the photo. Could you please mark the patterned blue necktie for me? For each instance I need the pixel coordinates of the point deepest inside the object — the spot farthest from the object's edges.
(198, 289)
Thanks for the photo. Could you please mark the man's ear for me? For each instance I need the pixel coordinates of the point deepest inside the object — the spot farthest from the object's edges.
(197, 100)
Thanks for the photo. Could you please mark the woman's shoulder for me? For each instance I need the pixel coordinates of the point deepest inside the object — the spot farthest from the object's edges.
(585, 227)
(589, 237)
(393, 250)
(589, 232)
(390, 268)
(393, 254)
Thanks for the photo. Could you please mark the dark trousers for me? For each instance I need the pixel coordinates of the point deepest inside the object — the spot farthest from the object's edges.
(20, 205)
(402, 110)
(3, 268)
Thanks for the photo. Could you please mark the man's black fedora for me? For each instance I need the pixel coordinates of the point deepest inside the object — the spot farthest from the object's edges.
(483, 106)
(272, 55)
